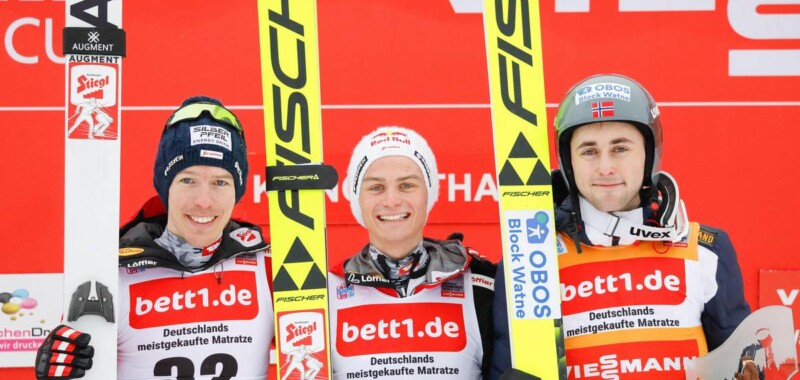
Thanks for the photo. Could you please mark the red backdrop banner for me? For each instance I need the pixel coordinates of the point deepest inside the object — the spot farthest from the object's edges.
(726, 76)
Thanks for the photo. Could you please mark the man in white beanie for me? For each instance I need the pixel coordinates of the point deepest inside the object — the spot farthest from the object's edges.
(406, 306)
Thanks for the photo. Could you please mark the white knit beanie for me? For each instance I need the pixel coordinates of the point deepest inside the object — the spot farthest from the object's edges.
(390, 141)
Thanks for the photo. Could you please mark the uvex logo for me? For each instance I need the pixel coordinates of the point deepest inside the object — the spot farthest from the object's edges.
(408, 328)
(635, 231)
(193, 299)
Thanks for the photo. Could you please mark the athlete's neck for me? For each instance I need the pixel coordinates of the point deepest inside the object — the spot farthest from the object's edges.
(400, 272)
(396, 250)
(188, 255)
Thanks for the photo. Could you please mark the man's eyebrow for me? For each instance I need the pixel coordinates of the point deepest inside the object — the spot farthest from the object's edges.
(380, 179)
(190, 171)
(618, 140)
(412, 176)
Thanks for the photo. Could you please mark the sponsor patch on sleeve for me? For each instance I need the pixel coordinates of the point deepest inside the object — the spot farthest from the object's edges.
(453, 288)
(130, 251)
(561, 248)
(706, 237)
(483, 281)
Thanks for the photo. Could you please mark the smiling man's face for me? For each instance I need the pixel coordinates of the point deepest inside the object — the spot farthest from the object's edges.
(393, 202)
(608, 164)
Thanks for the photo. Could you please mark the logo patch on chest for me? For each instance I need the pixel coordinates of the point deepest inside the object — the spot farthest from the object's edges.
(453, 288)
(344, 291)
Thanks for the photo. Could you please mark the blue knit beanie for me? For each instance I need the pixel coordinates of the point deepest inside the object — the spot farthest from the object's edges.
(201, 140)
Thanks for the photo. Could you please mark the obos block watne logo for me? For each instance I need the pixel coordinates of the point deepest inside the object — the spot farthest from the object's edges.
(531, 260)
(537, 228)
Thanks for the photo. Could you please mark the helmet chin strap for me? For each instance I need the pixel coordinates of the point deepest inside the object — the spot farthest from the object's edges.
(671, 218)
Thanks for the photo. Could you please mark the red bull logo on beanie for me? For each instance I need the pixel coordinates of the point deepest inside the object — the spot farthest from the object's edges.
(386, 137)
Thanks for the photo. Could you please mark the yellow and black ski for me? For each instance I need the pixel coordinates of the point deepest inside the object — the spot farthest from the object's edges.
(519, 120)
(295, 183)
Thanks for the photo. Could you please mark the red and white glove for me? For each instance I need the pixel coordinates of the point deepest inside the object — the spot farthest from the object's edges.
(64, 354)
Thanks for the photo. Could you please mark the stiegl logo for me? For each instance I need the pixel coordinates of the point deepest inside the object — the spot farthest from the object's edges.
(301, 329)
(87, 83)
(301, 333)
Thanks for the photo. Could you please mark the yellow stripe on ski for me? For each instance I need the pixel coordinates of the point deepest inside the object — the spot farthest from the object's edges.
(293, 135)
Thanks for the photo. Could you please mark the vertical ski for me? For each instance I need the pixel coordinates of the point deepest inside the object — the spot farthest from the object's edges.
(94, 45)
(519, 120)
(293, 135)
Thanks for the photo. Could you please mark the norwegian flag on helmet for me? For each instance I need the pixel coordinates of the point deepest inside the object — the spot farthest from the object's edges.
(602, 109)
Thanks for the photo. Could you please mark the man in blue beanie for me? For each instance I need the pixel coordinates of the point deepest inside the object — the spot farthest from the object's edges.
(195, 295)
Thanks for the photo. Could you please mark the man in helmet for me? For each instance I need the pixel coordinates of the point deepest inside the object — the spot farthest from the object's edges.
(639, 282)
